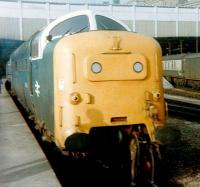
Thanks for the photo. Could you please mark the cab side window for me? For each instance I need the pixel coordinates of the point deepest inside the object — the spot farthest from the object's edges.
(104, 23)
(35, 46)
(71, 26)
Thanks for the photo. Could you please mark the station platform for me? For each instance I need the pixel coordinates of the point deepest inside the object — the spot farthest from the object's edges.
(183, 99)
(22, 162)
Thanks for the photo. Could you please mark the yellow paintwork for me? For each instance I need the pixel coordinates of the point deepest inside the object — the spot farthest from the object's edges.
(112, 64)
(83, 99)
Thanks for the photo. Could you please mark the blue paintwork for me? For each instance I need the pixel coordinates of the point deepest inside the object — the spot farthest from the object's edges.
(42, 71)
(32, 82)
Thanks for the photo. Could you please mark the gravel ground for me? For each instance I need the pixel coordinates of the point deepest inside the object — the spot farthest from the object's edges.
(181, 153)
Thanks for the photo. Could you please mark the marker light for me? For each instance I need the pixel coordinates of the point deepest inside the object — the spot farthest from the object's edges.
(96, 67)
(75, 98)
(137, 67)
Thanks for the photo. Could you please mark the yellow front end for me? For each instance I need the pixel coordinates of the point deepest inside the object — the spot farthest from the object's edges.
(95, 83)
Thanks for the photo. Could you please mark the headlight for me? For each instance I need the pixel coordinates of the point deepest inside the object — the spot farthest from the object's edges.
(96, 67)
(138, 67)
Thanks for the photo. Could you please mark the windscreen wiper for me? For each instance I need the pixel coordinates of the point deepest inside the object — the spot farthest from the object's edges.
(81, 29)
(67, 32)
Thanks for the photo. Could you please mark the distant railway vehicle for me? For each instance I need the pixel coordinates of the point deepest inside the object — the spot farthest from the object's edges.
(93, 86)
(183, 70)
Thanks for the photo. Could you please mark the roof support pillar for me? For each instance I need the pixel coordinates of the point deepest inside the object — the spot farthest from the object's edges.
(156, 21)
(177, 21)
(20, 19)
(68, 8)
(134, 18)
(48, 11)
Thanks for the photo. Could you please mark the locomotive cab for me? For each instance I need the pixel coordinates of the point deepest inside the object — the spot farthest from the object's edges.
(104, 76)
(108, 94)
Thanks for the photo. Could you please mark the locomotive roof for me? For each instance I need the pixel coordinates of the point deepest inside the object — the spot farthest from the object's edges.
(45, 32)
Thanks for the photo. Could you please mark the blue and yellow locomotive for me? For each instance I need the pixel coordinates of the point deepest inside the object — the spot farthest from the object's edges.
(87, 80)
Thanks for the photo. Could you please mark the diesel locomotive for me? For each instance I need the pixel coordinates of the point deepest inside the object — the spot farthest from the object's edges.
(93, 86)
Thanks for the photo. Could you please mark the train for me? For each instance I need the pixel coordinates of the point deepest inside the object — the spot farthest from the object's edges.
(182, 70)
(93, 87)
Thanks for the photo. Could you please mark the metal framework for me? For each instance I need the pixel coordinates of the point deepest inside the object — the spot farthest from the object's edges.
(136, 15)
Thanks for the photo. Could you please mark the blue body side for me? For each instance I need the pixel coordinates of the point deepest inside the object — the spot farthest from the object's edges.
(32, 82)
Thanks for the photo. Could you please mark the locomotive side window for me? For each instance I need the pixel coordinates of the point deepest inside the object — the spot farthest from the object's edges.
(35, 46)
(71, 26)
(104, 23)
